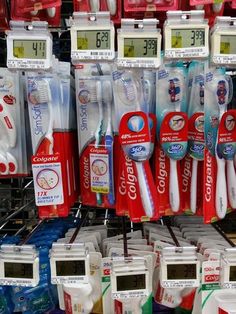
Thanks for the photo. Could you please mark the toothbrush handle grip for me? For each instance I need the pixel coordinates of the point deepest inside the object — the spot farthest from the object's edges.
(193, 187)
(221, 188)
(231, 182)
(144, 190)
(109, 146)
(174, 186)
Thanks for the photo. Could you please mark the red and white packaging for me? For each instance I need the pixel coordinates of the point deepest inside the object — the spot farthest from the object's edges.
(3, 15)
(113, 6)
(50, 14)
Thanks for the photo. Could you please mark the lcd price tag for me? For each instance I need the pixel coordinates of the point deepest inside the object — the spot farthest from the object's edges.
(29, 49)
(223, 41)
(228, 269)
(92, 40)
(139, 47)
(130, 278)
(69, 263)
(186, 38)
(179, 270)
(19, 266)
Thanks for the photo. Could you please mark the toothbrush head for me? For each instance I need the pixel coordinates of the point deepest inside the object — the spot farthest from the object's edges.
(43, 92)
(221, 92)
(174, 90)
(107, 95)
(130, 89)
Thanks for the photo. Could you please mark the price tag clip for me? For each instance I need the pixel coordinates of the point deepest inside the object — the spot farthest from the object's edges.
(186, 35)
(223, 41)
(139, 44)
(180, 267)
(92, 37)
(29, 46)
(228, 269)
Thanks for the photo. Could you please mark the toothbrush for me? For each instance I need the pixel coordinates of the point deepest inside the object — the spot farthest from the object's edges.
(107, 97)
(221, 187)
(44, 96)
(98, 132)
(174, 91)
(193, 186)
(94, 5)
(231, 182)
(111, 5)
(131, 94)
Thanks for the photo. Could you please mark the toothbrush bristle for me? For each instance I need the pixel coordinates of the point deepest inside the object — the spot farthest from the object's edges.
(44, 93)
(130, 91)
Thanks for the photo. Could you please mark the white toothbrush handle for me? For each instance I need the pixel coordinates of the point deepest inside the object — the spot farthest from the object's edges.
(221, 188)
(231, 182)
(95, 5)
(193, 187)
(9, 124)
(174, 186)
(144, 190)
(111, 5)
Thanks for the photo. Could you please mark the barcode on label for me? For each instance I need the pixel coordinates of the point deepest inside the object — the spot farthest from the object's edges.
(101, 53)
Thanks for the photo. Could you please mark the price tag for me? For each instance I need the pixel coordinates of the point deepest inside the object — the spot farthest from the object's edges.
(69, 263)
(130, 278)
(223, 41)
(92, 39)
(29, 49)
(139, 47)
(228, 269)
(179, 268)
(19, 266)
(186, 38)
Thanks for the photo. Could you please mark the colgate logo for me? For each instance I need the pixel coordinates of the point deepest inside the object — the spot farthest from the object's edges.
(131, 180)
(162, 175)
(44, 159)
(212, 278)
(186, 174)
(98, 151)
(86, 173)
(209, 179)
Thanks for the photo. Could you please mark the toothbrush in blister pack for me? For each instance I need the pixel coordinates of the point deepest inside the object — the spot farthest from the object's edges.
(172, 133)
(221, 146)
(96, 134)
(135, 139)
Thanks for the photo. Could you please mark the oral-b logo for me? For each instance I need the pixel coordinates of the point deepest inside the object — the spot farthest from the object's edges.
(176, 148)
(197, 148)
(228, 150)
(44, 159)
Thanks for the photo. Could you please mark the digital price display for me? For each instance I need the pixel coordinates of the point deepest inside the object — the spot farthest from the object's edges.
(140, 47)
(232, 273)
(187, 38)
(70, 268)
(131, 282)
(228, 44)
(93, 40)
(18, 270)
(181, 271)
(29, 49)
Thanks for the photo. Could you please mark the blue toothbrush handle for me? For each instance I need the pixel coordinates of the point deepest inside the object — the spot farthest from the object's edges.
(109, 146)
